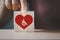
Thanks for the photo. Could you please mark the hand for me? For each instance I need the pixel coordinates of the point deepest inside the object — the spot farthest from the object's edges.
(13, 4)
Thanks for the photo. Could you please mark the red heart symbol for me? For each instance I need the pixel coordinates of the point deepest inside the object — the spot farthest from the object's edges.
(24, 22)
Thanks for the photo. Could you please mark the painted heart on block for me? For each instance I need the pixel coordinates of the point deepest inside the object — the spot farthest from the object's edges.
(23, 21)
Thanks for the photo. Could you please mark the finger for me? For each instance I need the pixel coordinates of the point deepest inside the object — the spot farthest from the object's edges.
(8, 4)
(15, 4)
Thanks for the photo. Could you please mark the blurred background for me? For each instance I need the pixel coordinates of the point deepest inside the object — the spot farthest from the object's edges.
(47, 13)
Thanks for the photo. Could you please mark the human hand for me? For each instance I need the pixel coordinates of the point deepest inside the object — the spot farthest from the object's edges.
(13, 4)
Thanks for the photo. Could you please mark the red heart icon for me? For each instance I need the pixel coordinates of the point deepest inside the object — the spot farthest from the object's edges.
(24, 22)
